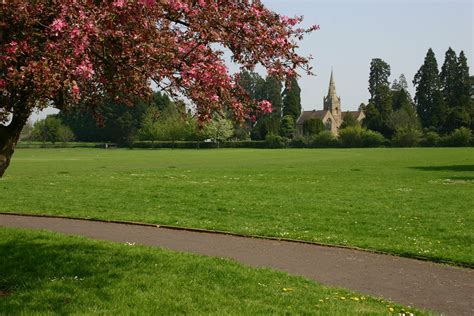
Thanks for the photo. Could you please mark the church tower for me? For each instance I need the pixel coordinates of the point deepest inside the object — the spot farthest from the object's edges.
(332, 102)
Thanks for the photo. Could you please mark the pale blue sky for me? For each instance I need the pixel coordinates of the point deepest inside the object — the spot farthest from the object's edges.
(355, 31)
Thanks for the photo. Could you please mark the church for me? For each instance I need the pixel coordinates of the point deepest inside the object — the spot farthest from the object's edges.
(332, 115)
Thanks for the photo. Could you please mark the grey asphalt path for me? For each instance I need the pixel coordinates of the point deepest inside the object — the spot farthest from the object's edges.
(441, 288)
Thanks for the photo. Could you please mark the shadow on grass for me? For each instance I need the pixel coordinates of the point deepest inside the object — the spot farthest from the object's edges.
(446, 168)
(33, 269)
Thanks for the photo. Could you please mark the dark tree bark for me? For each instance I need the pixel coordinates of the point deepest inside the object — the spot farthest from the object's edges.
(9, 136)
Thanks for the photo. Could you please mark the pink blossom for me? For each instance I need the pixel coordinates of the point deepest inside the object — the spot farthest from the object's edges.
(3, 83)
(85, 69)
(119, 3)
(58, 25)
(265, 106)
(75, 90)
(13, 48)
(148, 3)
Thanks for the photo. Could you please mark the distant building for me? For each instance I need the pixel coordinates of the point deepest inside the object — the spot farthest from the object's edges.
(331, 115)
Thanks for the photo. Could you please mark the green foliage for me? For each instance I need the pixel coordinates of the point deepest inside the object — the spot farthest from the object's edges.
(299, 142)
(241, 133)
(288, 127)
(324, 139)
(219, 130)
(458, 138)
(276, 141)
(407, 137)
(266, 124)
(351, 136)
(356, 136)
(373, 139)
(380, 104)
(26, 132)
(379, 74)
(116, 123)
(272, 91)
(431, 139)
(150, 129)
(292, 99)
(51, 129)
(429, 101)
(403, 118)
(313, 126)
(349, 121)
(456, 91)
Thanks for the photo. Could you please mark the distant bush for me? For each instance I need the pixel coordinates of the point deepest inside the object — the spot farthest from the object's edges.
(406, 138)
(458, 138)
(431, 139)
(325, 139)
(276, 141)
(356, 136)
(373, 139)
(299, 142)
(51, 129)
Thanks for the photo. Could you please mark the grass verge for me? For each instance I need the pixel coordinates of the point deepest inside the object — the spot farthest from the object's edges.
(44, 273)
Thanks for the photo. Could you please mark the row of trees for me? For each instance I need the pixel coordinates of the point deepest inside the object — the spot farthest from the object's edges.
(442, 101)
(165, 120)
(286, 103)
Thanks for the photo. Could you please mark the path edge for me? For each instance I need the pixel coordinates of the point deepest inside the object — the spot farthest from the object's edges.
(219, 232)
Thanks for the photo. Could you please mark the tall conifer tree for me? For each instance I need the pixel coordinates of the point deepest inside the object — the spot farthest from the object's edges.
(428, 97)
(450, 79)
(292, 99)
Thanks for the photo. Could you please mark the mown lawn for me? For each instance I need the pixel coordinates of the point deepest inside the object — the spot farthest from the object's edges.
(46, 273)
(414, 202)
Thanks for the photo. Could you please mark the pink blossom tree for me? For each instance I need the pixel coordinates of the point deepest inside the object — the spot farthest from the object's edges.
(62, 52)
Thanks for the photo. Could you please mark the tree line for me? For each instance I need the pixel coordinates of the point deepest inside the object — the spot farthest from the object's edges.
(442, 102)
(441, 113)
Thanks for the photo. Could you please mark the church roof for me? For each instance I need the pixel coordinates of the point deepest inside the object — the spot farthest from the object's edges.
(355, 114)
(306, 115)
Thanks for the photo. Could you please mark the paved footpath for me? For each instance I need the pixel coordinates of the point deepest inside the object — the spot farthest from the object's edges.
(441, 288)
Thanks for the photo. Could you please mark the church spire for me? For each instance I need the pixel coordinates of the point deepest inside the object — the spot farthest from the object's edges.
(332, 102)
(332, 86)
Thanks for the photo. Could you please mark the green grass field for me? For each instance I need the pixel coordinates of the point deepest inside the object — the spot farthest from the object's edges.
(413, 202)
(46, 273)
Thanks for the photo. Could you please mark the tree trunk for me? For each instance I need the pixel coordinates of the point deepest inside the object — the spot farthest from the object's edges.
(9, 136)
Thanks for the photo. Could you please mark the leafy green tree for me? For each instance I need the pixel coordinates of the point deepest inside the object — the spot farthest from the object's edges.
(219, 130)
(450, 79)
(429, 101)
(400, 84)
(272, 92)
(380, 104)
(313, 126)
(455, 86)
(404, 119)
(379, 74)
(150, 129)
(349, 121)
(51, 130)
(292, 99)
(26, 132)
(252, 83)
(113, 122)
(288, 126)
